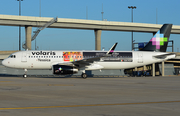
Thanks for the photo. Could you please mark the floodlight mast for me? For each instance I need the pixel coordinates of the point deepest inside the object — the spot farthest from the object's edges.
(19, 25)
(132, 7)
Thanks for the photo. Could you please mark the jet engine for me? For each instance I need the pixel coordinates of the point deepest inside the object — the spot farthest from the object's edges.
(64, 69)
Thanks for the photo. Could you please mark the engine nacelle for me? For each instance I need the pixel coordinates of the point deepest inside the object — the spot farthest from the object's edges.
(64, 70)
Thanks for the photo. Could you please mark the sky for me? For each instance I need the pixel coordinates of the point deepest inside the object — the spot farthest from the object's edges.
(147, 11)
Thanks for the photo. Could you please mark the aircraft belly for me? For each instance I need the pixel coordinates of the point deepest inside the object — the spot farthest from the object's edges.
(45, 65)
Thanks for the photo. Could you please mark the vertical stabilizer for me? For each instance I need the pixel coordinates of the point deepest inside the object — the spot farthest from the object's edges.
(160, 40)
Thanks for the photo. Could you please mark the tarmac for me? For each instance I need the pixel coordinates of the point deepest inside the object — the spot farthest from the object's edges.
(94, 96)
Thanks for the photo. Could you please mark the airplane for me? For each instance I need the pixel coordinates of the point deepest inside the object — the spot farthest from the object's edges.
(70, 62)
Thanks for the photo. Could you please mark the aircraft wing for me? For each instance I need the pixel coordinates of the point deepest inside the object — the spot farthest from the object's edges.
(85, 62)
(89, 61)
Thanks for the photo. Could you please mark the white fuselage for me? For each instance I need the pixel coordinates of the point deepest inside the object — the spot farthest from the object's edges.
(46, 59)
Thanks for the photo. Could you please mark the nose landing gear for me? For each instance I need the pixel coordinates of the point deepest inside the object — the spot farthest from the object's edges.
(25, 73)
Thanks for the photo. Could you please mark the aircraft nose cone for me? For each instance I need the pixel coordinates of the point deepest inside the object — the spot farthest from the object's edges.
(4, 62)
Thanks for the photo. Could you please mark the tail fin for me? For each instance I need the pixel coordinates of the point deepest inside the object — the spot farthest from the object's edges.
(160, 40)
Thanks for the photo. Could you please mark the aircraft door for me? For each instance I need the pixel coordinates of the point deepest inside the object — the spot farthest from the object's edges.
(140, 57)
(24, 57)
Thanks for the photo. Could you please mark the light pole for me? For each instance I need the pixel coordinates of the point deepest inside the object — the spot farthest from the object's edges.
(132, 7)
(19, 26)
(102, 12)
(40, 22)
(86, 12)
(39, 8)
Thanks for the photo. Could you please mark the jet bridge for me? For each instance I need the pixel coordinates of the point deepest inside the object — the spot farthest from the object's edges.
(27, 44)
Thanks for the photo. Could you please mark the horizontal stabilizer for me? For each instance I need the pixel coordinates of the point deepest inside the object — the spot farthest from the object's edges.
(165, 56)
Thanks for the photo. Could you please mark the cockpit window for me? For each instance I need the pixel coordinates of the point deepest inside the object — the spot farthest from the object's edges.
(12, 56)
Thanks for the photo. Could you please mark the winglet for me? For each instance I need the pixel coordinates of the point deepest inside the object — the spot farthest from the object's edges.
(112, 49)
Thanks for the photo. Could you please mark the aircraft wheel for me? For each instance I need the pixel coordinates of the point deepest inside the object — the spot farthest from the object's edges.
(84, 75)
(24, 75)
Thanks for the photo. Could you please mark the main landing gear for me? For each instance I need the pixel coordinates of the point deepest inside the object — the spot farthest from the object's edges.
(25, 75)
(84, 75)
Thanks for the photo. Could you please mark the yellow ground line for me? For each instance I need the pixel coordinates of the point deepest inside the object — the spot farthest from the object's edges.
(88, 105)
(37, 85)
(60, 85)
(5, 81)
